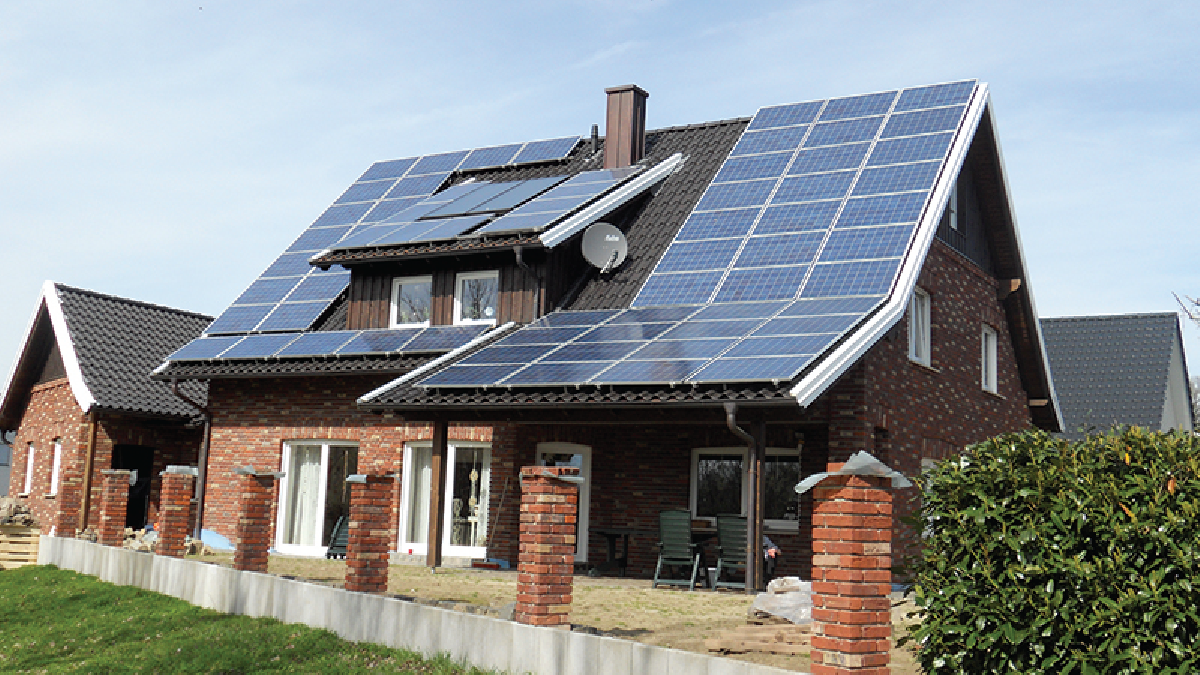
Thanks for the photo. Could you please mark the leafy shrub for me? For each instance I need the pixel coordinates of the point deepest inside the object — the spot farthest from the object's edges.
(1043, 556)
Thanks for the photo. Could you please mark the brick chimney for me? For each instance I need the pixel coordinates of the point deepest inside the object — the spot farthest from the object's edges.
(625, 135)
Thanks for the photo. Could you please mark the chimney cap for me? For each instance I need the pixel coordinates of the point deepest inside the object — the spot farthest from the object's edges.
(627, 87)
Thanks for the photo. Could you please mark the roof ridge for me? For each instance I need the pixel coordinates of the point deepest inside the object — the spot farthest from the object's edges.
(129, 301)
(1103, 317)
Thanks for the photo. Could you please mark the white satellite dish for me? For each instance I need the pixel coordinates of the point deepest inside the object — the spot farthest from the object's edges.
(604, 246)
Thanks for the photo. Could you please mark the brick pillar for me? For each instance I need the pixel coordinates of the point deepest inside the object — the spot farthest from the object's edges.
(367, 545)
(256, 496)
(175, 509)
(114, 502)
(549, 507)
(852, 578)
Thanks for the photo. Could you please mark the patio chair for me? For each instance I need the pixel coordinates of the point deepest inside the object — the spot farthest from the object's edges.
(338, 539)
(731, 549)
(676, 548)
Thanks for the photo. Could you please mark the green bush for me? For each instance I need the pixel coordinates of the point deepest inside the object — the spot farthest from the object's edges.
(1043, 556)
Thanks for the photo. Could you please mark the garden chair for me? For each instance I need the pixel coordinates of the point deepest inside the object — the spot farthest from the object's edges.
(676, 548)
(731, 549)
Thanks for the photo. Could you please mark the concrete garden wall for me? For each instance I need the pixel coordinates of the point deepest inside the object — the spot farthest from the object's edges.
(478, 640)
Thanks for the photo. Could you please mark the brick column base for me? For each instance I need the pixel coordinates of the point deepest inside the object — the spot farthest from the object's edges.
(175, 509)
(66, 518)
(367, 545)
(256, 496)
(114, 503)
(852, 578)
(549, 507)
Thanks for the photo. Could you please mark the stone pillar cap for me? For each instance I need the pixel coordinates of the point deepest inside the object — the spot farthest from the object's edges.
(861, 463)
(545, 473)
(184, 470)
(249, 471)
(113, 472)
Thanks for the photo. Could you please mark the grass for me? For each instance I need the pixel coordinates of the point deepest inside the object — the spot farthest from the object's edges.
(54, 620)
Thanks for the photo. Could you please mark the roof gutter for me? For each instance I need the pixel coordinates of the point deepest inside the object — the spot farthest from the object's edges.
(202, 461)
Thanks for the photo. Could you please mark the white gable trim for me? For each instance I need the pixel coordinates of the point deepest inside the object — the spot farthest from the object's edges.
(865, 336)
(66, 347)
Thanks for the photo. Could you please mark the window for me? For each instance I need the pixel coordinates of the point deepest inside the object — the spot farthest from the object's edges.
(313, 494)
(952, 208)
(410, 301)
(28, 468)
(468, 481)
(987, 360)
(918, 327)
(720, 484)
(475, 297)
(54, 467)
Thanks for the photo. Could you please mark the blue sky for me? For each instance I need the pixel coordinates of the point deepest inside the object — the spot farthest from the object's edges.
(168, 151)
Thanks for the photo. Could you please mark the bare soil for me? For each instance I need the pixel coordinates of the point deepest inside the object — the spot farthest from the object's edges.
(620, 607)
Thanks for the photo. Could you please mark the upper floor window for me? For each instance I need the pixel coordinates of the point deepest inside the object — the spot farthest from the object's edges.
(952, 208)
(475, 297)
(56, 466)
(918, 327)
(987, 358)
(411, 297)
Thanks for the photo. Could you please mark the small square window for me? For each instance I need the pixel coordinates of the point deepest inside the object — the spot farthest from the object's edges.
(410, 301)
(475, 297)
(987, 359)
(918, 327)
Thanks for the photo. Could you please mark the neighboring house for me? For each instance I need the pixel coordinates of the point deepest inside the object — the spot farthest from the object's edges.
(81, 400)
(1126, 369)
(777, 291)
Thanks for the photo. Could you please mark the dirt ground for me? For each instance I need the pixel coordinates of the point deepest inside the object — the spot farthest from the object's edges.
(620, 607)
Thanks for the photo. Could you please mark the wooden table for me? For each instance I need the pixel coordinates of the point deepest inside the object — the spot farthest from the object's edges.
(611, 534)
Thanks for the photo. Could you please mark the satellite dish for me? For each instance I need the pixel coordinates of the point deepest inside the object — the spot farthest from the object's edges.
(604, 246)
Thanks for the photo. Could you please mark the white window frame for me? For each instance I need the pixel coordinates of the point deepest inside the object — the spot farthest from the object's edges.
(394, 310)
(55, 466)
(988, 360)
(919, 342)
(583, 512)
(322, 490)
(29, 464)
(952, 207)
(458, 293)
(406, 497)
(697, 453)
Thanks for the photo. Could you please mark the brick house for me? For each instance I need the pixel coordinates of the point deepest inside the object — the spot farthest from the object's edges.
(673, 311)
(80, 400)
(1119, 369)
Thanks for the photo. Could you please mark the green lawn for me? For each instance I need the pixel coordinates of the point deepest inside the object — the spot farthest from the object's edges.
(54, 620)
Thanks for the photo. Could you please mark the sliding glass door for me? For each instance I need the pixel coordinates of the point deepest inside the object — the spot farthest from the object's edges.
(465, 516)
(313, 494)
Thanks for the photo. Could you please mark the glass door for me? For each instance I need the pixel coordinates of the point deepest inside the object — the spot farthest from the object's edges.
(465, 516)
(572, 454)
(313, 494)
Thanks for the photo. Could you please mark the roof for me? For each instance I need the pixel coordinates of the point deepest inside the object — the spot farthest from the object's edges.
(1118, 369)
(822, 294)
(108, 346)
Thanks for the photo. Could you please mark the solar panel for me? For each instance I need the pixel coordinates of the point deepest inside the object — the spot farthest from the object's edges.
(293, 316)
(785, 115)
(557, 202)
(378, 342)
(258, 346)
(547, 150)
(203, 348)
(365, 192)
(317, 344)
(495, 156)
(444, 338)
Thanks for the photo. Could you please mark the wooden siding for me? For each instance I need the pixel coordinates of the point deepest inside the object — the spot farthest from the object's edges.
(970, 239)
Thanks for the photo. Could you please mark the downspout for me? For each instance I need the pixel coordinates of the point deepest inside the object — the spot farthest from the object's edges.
(537, 292)
(89, 461)
(753, 536)
(202, 462)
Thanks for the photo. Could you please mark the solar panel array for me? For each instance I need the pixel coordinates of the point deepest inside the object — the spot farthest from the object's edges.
(291, 294)
(731, 342)
(539, 213)
(817, 199)
(328, 343)
(798, 237)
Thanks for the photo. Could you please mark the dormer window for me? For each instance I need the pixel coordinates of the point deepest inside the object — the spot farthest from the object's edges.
(476, 295)
(411, 298)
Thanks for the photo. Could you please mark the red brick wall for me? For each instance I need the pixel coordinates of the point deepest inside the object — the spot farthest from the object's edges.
(368, 544)
(52, 414)
(252, 418)
(549, 508)
(175, 513)
(255, 502)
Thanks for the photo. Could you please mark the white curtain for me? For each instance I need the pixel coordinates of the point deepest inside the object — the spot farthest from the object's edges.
(304, 483)
(418, 495)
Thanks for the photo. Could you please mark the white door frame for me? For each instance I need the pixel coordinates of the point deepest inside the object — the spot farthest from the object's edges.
(322, 490)
(406, 496)
(585, 488)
